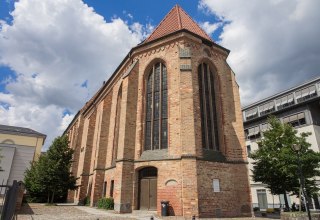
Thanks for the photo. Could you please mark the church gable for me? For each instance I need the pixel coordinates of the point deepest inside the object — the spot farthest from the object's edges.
(177, 19)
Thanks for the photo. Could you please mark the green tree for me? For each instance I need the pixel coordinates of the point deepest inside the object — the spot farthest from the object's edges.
(275, 163)
(50, 176)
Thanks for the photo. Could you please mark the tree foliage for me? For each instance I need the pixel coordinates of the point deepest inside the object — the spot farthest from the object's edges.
(276, 165)
(49, 178)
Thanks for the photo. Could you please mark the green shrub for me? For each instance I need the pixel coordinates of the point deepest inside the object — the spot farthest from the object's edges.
(106, 203)
(86, 201)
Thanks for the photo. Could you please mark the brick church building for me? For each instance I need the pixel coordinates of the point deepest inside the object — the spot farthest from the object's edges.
(167, 125)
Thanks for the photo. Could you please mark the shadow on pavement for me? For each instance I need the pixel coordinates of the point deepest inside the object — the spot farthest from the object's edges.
(25, 210)
(267, 215)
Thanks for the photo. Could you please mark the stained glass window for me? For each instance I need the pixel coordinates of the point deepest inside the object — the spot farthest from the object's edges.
(156, 136)
(209, 126)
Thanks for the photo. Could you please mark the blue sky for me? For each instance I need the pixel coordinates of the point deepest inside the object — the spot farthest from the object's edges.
(54, 55)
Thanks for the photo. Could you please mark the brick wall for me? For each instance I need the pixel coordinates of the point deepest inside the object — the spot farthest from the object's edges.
(76, 145)
(233, 200)
(101, 151)
(185, 169)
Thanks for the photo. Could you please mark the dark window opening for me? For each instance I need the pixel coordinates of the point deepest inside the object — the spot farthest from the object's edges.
(111, 188)
(148, 172)
(104, 189)
(156, 129)
(116, 127)
(248, 149)
(209, 126)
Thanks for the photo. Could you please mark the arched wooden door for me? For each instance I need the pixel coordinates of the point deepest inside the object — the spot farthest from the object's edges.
(148, 188)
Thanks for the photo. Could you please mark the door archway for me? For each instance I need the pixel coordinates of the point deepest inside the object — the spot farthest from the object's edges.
(148, 188)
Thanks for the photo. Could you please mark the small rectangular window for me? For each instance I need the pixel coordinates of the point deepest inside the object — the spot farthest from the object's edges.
(248, 149)
(104, 189)
(216, 185)
(111, 188)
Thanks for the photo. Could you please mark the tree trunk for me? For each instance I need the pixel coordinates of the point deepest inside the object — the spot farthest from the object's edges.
(48, 200)
(286, 201)
(300, 203)
(52, 198)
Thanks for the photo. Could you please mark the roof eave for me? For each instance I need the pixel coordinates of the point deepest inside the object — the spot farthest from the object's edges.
(204, 40)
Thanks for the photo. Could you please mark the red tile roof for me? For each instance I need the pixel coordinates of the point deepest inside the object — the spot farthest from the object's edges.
(177, 19)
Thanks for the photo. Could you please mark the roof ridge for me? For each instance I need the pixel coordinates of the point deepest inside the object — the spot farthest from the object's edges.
(160, 23)
(195, 22)
(179, 17)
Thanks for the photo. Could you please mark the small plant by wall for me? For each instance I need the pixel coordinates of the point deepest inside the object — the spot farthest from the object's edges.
(86, 201)
(106, 203)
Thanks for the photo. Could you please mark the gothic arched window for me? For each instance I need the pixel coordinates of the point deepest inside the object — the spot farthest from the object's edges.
(156, 133)
(116, 127)
(209, 127)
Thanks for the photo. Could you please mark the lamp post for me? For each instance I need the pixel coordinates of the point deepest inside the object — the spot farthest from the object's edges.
(297, 148)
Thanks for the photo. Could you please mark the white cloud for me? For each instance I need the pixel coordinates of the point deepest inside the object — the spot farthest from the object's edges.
(274, 43)
(54, 48)
(142, 30)
(209, 28)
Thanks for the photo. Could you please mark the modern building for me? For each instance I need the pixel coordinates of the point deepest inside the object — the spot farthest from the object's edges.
(167, 125)
(298, 106)
(18, 148)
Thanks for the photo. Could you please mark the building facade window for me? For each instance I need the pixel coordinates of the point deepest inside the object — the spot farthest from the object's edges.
(296, 119)
(306, 93)
(265, 127)
(111, 188)
(252, 133)
(284, 101)
(262, 198)
(248, 150)
(156, 131)
(104, 189)
(209, 126)
(116, 127)
(266, 108)
(251, 113)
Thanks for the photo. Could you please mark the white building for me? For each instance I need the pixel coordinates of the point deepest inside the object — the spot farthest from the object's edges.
(299, 106)
(18, 147)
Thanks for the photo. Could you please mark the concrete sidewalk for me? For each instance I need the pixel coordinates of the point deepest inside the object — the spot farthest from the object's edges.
(136, 214)
(146, 215)
(38, 211)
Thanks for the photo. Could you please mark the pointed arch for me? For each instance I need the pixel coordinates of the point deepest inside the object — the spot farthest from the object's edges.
(116, 127)
(156, 120)
(208, 107)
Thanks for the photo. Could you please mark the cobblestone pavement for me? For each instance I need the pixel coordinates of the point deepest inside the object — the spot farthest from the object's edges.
(36, 211)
